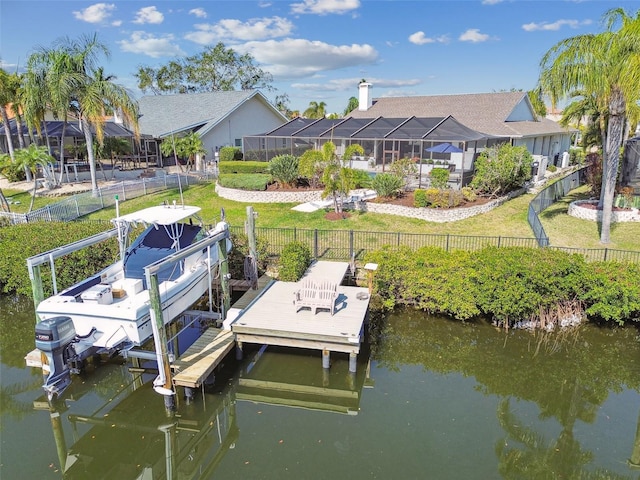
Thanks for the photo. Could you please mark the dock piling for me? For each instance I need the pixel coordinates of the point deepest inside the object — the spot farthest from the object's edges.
(326, 359)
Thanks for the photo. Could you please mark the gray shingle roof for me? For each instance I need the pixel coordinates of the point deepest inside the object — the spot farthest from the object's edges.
(483, 112)
(162, 115)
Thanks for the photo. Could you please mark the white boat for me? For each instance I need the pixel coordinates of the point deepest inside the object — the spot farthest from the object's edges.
(110, 311)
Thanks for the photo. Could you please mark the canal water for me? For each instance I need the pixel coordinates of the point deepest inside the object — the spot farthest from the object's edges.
(432, 398)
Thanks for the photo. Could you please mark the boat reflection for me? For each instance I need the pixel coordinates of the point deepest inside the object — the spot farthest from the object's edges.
(131, 435)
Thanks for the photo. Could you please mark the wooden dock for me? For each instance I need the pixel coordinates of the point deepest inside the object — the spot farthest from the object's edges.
(272, 318)
(197, 363)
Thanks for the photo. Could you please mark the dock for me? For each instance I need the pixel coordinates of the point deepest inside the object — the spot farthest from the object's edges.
(201, 358)
(272, 319)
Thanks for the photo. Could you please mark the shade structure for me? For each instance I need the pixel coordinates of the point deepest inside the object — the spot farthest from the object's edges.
(444, 148)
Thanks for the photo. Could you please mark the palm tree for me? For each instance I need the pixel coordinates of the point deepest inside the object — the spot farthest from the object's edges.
(6, 86)
(315, 110)
(189, 146)
(606, 65)
(30, 159)
(73, 78)
(351, 106)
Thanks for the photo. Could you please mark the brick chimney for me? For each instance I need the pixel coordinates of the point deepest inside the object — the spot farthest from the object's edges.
(364, 99)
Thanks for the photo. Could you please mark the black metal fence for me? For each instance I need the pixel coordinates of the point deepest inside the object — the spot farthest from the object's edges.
(547, 197)
(347, 245)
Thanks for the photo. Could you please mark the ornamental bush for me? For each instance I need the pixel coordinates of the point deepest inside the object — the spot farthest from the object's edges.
(387, 185)
(257, 182)
(439, 177)
(243, 167)
(294, 261)
(501, 168)
(284, 169)
(228, 154)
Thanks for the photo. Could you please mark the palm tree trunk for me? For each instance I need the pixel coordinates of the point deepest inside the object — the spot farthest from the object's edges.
(19, 130)
(603, 136)
(610, 169)
(3, 202)
(7, 132)
(88, 138)
(64, 127)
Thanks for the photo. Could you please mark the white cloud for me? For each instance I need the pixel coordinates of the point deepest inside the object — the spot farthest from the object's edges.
(96, 13)
(116, 23)
(419, 38)
(254, 29)
(557, 25)
(324, 7)
(198, 12)
(473, 35)
(147, 44)
(149, 15)
(291, 58)
(346, 84)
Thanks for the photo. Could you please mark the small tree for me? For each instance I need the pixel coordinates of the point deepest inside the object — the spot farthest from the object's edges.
(439, 178)
(31, 158)
(311, 165)
(501, 168)
(404, 168)
(337, 179)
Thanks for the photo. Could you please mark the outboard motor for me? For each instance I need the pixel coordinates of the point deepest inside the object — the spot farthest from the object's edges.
(54, 338)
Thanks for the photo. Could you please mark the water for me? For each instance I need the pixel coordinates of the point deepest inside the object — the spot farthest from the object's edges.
(432, 399)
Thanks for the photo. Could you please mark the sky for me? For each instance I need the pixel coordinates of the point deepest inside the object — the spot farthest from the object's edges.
(319, 50)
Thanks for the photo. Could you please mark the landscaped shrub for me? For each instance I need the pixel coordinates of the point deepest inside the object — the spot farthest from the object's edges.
(361, 179)
(18, 242)
(506, 285)
(243, 167)
(502, 168)
(420, 198)
(387, 185)
(240, 251)
(242, 181)
(294, 261)
(552, 168)
(11, 170)
(612, 291)
(439, 177)
(228, 154)
(284, 169)
(404, 168)
(468, 194)
(311, 166)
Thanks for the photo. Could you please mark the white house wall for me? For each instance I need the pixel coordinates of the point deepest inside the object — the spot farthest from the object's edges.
(250, 118)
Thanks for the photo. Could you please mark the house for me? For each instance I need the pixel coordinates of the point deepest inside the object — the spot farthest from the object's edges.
(221, 118)
(504, 116)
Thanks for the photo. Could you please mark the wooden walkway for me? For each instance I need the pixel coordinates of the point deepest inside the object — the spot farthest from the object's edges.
(197, 363)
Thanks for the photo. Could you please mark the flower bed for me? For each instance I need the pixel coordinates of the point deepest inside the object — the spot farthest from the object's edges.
(588, 210)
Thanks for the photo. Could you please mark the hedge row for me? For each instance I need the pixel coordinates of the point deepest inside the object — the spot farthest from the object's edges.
(506, 284)
(19, 242)
(243, 167)
(243, 181)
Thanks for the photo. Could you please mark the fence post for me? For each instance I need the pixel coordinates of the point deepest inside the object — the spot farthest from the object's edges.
(49, 212)
(315, 243)
(447, 246)
(350, 243)
(606, 251)
(101, 198)
(124, 196)
(75, 198)
(144, 186)
(499, 239)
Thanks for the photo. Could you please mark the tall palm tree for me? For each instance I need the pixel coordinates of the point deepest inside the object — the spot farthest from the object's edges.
(74, 79)
(5, 99)
(606, 65)
(315, 110)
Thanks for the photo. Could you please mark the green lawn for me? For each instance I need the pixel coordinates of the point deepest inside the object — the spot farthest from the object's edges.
(25, 199)
(508, 220)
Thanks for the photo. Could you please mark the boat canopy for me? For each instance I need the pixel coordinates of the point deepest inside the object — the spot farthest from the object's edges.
(159, 215)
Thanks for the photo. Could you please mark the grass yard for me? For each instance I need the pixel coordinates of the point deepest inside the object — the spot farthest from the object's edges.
(24, 198)
(508, 220)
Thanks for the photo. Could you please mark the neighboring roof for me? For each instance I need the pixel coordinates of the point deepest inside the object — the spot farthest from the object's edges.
(162, 115)
(484, 112)
(414, 128)
(54, 129)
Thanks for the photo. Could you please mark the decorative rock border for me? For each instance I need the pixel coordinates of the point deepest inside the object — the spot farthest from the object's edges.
(427, 214)
(434, 214)
(577, 210)
(252, 196)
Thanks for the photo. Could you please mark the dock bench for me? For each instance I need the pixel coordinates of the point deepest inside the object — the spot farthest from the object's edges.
(315, 295)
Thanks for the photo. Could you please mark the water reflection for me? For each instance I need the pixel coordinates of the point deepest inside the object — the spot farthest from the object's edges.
(568, 377)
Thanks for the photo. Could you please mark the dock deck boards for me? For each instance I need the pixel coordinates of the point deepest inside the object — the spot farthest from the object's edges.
(273, 319)
(195, 365)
